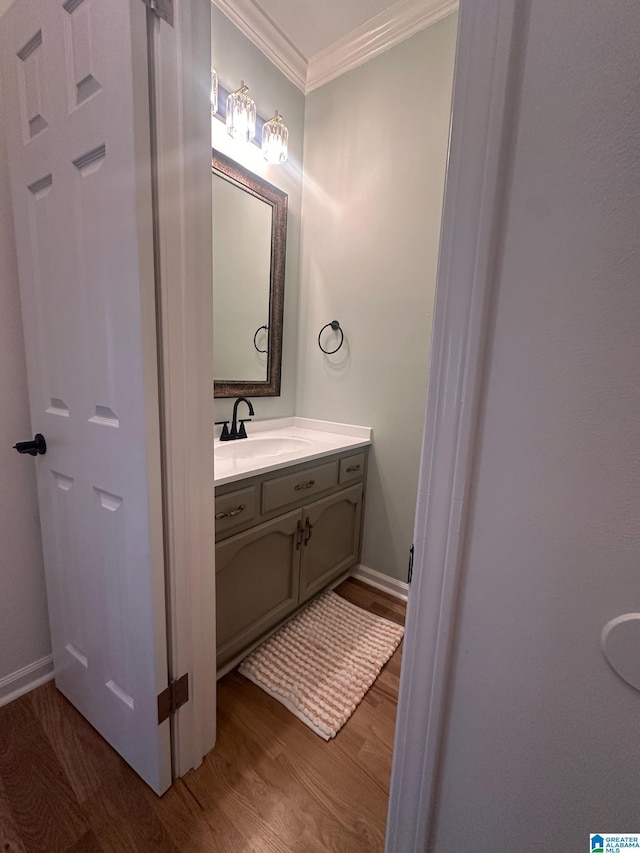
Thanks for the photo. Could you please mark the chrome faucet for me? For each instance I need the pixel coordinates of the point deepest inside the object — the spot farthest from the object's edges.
(235, 433)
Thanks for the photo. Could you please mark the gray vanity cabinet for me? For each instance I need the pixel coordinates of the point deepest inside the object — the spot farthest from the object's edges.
(281, 539)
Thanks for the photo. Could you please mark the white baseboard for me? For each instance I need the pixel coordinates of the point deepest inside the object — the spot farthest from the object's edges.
(399, 589)
(24, 680)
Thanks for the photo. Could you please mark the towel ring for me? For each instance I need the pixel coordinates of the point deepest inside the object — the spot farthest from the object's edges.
(266, 328)
(335, 325)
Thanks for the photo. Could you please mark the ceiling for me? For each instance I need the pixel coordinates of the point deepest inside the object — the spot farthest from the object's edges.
(313, 42)
(313, 26)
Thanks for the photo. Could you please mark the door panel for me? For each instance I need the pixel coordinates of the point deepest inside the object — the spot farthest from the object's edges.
(74, 76)
(333, 544)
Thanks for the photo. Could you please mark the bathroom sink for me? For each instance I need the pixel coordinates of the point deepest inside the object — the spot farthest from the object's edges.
(260, 447)
(276, 444)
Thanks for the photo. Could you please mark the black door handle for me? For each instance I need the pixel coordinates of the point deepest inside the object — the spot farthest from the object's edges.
(38, 445)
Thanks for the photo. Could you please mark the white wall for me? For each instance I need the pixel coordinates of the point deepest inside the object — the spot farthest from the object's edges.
(24, 626)
(236, 58)
(542, 744)
(375, 155)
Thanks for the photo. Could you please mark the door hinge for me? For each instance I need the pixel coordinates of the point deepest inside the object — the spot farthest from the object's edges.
(410, 571)
(174, 697)
(161, 9)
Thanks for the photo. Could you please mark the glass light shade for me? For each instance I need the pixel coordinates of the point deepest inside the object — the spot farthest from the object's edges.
(241, 115)
(275, 140)
(214, 92)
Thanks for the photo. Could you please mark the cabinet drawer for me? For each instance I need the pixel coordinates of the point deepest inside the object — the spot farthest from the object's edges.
(351, 468)
(298, 488)
(235, 509)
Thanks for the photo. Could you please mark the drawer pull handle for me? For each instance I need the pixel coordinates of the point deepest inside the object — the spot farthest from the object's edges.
(353, 468)
(232, 513)
(301, 486)
(309, 527)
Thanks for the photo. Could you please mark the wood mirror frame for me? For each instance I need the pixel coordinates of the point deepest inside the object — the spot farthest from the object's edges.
(233, 172)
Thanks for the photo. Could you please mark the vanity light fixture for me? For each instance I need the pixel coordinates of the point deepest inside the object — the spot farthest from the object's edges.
(214, 92)
(241, 115)
(238, 111)
(275, 140)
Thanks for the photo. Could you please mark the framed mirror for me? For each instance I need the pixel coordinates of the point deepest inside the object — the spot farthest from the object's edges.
(249, 242)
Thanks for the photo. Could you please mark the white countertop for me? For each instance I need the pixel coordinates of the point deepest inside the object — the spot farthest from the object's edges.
(320, 438)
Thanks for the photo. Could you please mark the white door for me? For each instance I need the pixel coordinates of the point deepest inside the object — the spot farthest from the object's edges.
(77, 120)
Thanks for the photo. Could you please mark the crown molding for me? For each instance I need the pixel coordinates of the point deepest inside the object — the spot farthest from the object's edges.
(382, 32)
(267, 37)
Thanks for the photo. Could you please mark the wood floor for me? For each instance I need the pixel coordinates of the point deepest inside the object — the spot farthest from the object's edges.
(270, 786)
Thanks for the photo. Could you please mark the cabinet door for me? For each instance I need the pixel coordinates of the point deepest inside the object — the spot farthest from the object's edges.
(332, 528)
(257, 577)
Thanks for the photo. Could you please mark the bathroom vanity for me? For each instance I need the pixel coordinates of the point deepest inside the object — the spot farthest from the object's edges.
(289, 503)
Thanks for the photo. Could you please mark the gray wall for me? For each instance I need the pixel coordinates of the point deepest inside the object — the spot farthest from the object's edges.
(542, 745)
(236, 58)
(375, 156)
(24, 626)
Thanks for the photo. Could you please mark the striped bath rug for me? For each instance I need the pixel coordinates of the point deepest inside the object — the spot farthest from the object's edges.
(321, 663)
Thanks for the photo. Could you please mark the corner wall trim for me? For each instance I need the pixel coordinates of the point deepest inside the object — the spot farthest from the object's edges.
(399, 589)
(24, 680)
(491, 46)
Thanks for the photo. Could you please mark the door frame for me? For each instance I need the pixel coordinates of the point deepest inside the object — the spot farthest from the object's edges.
(486, 90)
(181, 63)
